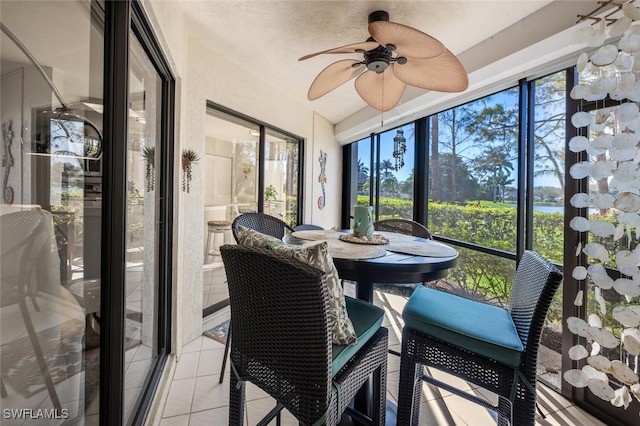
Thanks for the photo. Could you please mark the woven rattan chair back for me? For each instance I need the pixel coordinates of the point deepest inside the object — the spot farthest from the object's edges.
(534, 286)
(18, 230)
(262, 223)
(282, 342)
(308, 227)
(403, 226)
(22, 240)
(281, 336)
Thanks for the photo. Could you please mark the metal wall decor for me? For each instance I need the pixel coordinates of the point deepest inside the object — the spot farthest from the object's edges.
(322, 178)
(7, 162)
(399, 149)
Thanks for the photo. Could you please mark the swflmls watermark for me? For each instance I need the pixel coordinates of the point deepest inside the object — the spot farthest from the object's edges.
(35, 414)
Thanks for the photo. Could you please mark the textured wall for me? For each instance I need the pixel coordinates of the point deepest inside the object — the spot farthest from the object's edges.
(203, 74)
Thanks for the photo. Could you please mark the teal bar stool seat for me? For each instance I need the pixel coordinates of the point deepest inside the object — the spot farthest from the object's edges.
(489, 346)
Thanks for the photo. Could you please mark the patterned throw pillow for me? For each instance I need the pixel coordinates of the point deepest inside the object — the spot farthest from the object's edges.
(317, 255)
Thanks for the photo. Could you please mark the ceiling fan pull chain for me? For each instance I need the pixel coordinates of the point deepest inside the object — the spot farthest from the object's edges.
(382, 112)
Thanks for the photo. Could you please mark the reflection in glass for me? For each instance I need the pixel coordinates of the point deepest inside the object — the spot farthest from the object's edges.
(281, 177)
(548, 210)
(230, 189)
(141, 347)
(233, 168)
(50, 212)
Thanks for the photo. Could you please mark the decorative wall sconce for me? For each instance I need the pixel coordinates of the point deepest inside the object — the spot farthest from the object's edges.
(399, 149)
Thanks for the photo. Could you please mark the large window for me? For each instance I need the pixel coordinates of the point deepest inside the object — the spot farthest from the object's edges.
(490, 181)
(385, 175)
(249, 167)
(473, 170)
(496, 185)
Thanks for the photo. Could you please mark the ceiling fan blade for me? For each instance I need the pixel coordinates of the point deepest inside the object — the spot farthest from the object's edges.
(444, 73)
(333, 76)
(408, 41)
(349, 48)
(381, 91)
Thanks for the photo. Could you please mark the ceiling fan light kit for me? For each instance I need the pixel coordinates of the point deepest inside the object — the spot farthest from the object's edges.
(394, 57)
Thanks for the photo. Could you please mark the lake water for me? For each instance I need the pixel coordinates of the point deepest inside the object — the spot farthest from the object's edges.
(549, 209)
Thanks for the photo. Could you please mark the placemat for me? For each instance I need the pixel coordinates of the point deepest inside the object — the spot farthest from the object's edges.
(341, 250)
(422, 248)
(376, 239)
(320, 234)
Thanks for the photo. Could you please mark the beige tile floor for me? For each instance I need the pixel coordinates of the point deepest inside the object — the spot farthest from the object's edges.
(196, 398)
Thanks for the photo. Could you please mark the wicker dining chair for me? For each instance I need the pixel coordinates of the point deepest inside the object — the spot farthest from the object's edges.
(264, 224)
(22, 237)
(486, 345)
(282, 340)
(403, 226)
(308, 227)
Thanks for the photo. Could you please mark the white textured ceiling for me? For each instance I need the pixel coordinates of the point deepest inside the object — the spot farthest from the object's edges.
(268, 37)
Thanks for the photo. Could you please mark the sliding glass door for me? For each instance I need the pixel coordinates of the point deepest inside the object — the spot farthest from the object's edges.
(51, 74)
(249, 167)
(144, 150)
(83, 294)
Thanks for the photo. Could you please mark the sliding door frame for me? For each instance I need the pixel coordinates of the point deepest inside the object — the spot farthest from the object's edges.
(121, 19)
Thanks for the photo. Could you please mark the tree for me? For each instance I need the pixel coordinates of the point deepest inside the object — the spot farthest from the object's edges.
(454, 137)
(495, 130)
(549, 127)
(406, 186)
(494, 168)
(389, 184)
(436, 176)
(386, 168)
(362, 168)
(467, 187)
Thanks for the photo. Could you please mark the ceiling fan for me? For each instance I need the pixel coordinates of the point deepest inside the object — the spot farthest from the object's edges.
(413, 57)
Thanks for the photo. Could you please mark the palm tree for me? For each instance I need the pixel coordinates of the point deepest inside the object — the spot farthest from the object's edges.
(362, 168)
(386, 167)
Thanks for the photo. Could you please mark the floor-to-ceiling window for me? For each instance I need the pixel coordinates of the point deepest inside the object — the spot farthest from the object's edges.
(51, 72)
(497, 185)
(67, 338)
(385, 172)
(249, 167)
(145, 148)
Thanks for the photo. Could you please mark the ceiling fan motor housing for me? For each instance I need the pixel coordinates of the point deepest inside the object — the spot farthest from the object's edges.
(378, 15)
(377, 60)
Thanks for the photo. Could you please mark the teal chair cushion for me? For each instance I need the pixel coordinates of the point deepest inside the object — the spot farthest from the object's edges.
(485, 329)
(367, 319)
